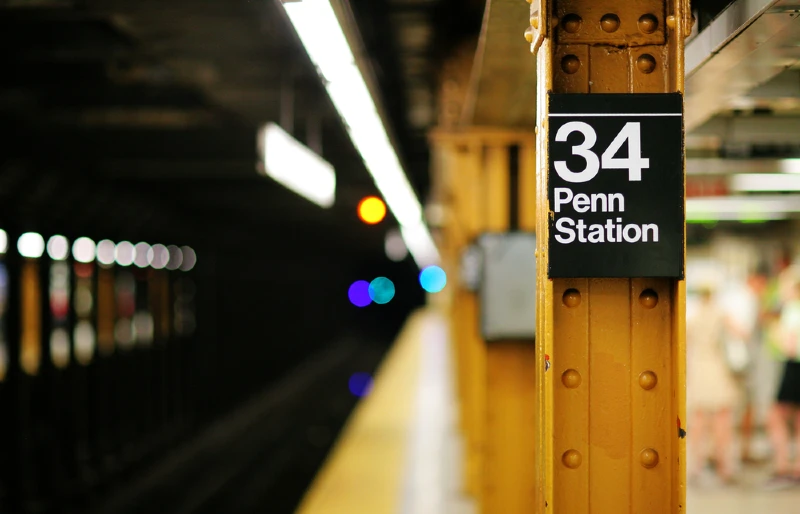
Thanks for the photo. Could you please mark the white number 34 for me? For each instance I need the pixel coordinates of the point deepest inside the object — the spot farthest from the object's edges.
(634, 163)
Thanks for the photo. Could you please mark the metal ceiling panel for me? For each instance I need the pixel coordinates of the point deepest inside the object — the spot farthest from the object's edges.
(748, 44)
(502, 89)
(753, 130)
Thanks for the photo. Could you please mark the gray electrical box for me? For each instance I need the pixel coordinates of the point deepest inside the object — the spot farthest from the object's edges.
(508, 286)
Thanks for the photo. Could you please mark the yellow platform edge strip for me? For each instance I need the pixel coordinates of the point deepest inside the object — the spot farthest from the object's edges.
(365, 470)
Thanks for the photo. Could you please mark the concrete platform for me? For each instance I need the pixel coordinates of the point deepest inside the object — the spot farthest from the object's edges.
(401, 452)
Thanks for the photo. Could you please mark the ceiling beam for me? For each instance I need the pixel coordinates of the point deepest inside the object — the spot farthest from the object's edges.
(751, 130)
(748, 44)
(502, 88)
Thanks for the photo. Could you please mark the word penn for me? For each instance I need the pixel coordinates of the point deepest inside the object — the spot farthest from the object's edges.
(571, 230)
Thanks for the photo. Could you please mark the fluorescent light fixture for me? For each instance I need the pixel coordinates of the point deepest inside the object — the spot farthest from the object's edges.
(719, 166)
(295, 166)
(765, 182)
(755, 207)
(420, 244)
(322, 35)
(790, 165)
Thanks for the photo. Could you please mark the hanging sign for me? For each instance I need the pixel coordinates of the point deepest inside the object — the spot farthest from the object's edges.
(616, 185)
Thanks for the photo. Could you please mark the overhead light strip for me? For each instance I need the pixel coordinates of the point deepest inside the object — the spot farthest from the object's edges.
(755, 207)
(720, 166)
(746, 182)
(322, 35)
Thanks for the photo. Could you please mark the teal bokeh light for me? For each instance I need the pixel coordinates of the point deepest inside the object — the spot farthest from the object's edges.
(433, 279)
(381, 290)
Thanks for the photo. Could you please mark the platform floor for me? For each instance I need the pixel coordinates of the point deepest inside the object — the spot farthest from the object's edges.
(401, 452)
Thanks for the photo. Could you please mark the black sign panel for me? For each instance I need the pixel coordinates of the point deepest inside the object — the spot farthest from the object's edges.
(616, 185)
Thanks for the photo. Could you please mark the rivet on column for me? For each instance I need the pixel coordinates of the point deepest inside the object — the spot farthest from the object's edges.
(571, 23)
(647, 380)
(609, 22)
(649, 458)
(646, 63)
(648, 23)
(648, 298)
(571, 459)
(571, 379)
(570, 64)
(571, 298)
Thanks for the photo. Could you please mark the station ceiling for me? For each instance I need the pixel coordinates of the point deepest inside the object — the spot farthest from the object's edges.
(139, 118)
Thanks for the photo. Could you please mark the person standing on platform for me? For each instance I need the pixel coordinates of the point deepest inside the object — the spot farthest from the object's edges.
(744, 308)
(787, 338)
(713, 393)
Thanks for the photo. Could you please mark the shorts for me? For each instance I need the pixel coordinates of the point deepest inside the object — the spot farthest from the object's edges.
(789, 391)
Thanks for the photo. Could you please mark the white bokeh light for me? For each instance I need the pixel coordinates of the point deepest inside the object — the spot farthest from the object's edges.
(83, 249)
(140, 254)
(175, 257)
(123, 253)
(30, 245)
(105, 252)
(189, 258)
(3, 241)
(158, 256)
(58, 248)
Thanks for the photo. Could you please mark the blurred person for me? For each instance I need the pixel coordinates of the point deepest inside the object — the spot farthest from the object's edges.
(787, 405)
(745, 311)
(713, 394)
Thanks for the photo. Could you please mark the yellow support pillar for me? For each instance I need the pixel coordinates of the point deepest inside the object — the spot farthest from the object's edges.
(495, 381)
(470, 209)
(458, 172)
(509, 485)
(607, 409)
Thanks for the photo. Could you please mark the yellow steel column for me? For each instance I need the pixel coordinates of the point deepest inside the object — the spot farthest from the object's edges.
(495, 381)
(608, 409)
(463, 160)
(473, 210)
(509, 455)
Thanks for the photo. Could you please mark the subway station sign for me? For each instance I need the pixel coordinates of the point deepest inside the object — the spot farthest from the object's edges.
(616, 185)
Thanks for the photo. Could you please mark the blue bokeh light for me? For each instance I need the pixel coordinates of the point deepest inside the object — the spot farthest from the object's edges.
(433, 279)
(360, 384)
(381, 290)
(359, 293)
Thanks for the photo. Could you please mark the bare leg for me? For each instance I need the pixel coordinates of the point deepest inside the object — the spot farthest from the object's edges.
(777, 424)
(723, 440)
(796, 471)
(697, 428)
(747, 431)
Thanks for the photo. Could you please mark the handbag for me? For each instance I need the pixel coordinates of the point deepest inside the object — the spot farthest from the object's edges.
(737, 355)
